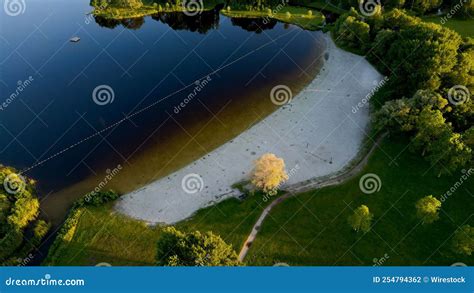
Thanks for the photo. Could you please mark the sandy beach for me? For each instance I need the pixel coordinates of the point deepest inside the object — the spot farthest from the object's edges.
(318, 133)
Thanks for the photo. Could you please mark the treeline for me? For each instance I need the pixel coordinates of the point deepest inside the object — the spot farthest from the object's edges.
(20, 230)
(463, 8)
(135, 4)
(431, 77)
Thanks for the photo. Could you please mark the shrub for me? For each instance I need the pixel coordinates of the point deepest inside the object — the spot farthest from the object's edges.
(463, 240)
(351, 32)
(64, 235)
(97, 198)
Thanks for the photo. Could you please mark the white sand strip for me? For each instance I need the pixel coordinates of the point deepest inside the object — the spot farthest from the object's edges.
(317, 134)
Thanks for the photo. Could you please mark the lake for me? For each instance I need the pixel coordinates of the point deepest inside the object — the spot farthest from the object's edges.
(149, 94)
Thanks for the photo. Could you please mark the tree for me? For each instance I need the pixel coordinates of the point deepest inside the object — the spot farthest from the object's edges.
(430, 126)
(468, 137)
(416, 55)
(394, 3)
(361, 219)
(269, 172)
(467, 9)
(463, 240)
(352, 32)
(449, 153)
(19, 207)
(397, 116)
(424, 111)
(427, 209)
(134, 4)
(176, 248)
(422, 6)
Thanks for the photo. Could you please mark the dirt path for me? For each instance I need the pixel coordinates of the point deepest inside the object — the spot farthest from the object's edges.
(306, 186)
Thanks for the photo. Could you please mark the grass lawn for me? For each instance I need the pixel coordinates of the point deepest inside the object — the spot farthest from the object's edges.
(104, 236)
(312, 228)
(299, 16)
(309, 229)
(465, 27)
(321, 4)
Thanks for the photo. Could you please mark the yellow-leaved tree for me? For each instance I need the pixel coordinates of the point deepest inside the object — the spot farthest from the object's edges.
(269, 173)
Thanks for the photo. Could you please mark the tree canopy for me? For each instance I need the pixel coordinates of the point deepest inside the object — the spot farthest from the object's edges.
(430, 71)
(19, 207)
(269, 172)
(463, 240)
(176, 248)
(427, 209)
(361, 219)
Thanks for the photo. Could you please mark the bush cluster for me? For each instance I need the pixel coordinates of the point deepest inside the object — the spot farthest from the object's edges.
(430, 72)
(19, 209)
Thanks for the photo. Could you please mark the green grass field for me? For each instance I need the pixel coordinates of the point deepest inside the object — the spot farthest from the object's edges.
(105, 236)
(321, 4)
(309, 229)
(298, 16)
(312, 228)
(465, 27)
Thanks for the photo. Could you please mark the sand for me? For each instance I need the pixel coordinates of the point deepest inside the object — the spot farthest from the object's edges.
(317, 134)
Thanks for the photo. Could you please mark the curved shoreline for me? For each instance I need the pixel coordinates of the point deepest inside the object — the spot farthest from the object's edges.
(315, 135)
(168, 150)
(304, 187)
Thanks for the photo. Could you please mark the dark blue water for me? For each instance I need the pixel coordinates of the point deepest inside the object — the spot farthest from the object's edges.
(47, 82)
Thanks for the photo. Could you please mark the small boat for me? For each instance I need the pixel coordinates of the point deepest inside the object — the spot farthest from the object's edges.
(74, 39)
